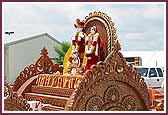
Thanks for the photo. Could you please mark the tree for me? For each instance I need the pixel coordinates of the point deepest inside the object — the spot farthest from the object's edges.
(61, 50)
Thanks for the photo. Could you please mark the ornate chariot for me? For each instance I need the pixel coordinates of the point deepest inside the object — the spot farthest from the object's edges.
(110, 85)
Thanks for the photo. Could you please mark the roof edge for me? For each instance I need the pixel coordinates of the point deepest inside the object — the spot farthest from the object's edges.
(31, 38)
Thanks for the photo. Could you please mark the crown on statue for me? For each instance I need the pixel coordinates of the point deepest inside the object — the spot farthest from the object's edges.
(79, 23)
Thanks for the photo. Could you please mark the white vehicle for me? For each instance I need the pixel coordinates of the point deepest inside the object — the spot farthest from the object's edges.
(153, 76)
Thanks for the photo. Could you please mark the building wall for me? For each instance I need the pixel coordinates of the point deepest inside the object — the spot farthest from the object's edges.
(6, 62)
(25, 53)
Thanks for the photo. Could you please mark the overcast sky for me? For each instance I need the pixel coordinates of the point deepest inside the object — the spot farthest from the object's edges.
(139, 26)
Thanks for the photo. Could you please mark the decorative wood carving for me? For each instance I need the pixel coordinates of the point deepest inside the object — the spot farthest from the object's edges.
(13, 102)
(24, 88)
(7, 90)
(106, 30)
(43, 65)
(111, 85)
(63, 81)
(57, 91)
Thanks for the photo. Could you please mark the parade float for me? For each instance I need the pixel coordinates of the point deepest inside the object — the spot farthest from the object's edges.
(110, 84)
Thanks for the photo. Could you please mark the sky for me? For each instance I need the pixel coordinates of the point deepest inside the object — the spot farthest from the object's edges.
(140, 27)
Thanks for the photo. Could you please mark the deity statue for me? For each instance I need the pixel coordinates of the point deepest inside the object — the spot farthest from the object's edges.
(93, 47)
(77, 48)
(78, 39)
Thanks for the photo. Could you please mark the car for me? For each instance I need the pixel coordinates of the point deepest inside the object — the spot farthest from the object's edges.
(153, 76)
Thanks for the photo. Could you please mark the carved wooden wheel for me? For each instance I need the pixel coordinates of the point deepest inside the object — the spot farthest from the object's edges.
(130, 102)
(94, 103)
(112, 94)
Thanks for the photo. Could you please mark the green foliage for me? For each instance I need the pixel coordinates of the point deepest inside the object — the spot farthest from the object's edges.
(61, 50)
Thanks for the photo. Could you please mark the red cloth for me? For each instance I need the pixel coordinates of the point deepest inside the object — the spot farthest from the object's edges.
(90, 62)
(81, 45)
(94, 59)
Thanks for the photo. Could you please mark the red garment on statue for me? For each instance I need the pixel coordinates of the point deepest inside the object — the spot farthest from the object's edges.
(81, 44)
(90, 62)
(94, 58)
